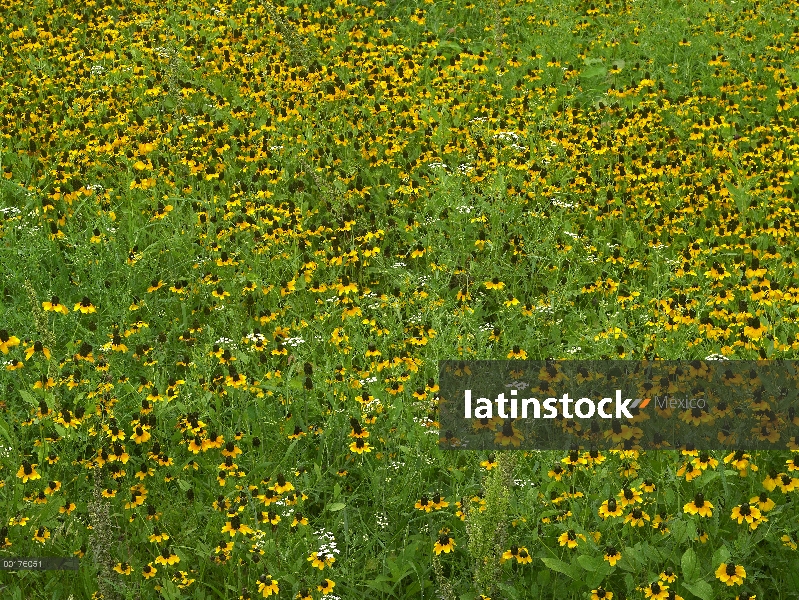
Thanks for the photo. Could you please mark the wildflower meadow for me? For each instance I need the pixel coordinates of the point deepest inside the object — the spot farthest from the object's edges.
(237, 238)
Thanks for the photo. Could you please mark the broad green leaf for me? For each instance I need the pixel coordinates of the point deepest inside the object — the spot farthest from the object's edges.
(590, 563)
(629, 560)
(559, 566)
(700, 589)
(707, 478)
(594, 71)
(28, 397)
(337, 506)
(380, 584)
(678, 531)
(690, 565)
(720, 556)
(651, 553)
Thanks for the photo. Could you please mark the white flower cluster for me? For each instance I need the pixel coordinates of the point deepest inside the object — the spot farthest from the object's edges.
(465, 167)
(328, 545)
(438, 165)
(716, 357)
(97, 70)
(397, 265)
(163, 52)
(504, 135)
(372, 404)
(382, 520)
(561, 203)
(295, 341)
(255, 337)
(367, 380)
(11, 211)
(423, 421)
(520, 385)
(259, 535)
(486, 327)
(223, 340)
(463, 209)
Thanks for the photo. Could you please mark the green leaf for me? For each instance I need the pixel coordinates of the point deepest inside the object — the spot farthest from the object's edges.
(512, 591)
(337, 506)
(700, 589)
(398, 573)
(559, 566)
(590, 563)
(629, 560)
(651, 553)
(707, 478)
(690, 565)
(740, 197)
(380, 584)
(4, 431)
(678, 531)
(721, 555)
(28, 397)
(183, 484)
(543, 577)
(793, 577)
(594, 71)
